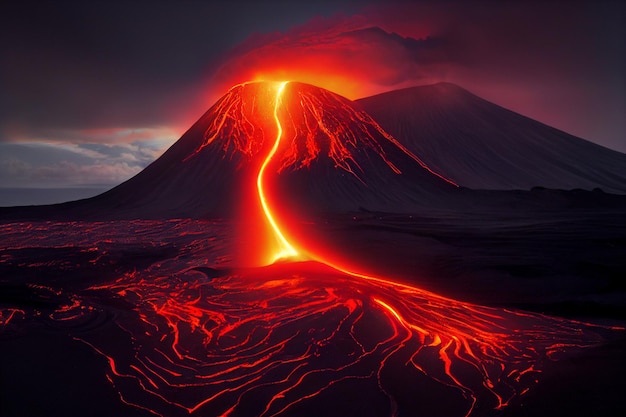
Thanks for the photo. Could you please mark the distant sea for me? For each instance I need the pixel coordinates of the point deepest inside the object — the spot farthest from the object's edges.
(37, 196)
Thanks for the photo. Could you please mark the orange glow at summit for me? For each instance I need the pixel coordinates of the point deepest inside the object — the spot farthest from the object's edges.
(268, 128)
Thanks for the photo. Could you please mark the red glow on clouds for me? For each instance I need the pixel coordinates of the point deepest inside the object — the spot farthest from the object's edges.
(345, 55)
(312, 68)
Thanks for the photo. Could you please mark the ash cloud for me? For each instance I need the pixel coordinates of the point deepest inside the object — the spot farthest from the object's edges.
(348, 56)
(563, 66)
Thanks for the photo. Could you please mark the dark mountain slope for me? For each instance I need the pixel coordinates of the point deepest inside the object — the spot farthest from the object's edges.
(484, 146)
(330, 157)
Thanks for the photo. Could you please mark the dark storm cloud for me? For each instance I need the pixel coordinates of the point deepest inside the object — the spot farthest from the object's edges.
(404, 58)
(91, 63)
(563, 63)
(83, 65)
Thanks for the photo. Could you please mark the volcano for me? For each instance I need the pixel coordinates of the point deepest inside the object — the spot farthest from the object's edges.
(333, 157)
(401, 151)
(481, 145)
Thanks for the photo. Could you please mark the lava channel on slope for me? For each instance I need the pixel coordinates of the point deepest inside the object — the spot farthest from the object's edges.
(307, 151)
(307, 336)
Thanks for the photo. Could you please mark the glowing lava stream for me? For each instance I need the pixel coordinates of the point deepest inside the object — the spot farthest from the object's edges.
(290, 253)
(287, 250)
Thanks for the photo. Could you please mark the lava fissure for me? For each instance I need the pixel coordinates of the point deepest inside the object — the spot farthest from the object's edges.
(286, 249)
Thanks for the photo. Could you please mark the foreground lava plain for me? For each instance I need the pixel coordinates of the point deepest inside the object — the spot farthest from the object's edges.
(175, 329)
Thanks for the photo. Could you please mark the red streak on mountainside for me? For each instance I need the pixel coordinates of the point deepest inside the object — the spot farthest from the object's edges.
(307, 126)
(286, 250)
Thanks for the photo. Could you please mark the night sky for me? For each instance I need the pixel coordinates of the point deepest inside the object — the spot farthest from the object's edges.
(92, 92)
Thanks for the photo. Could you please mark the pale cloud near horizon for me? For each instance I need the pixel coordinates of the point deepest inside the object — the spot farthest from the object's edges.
(66, 174)
(57, 164)
(107, 135)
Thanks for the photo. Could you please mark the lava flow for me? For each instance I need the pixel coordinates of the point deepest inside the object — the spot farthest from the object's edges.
(287, 250)
(303, 338)
(307, 150)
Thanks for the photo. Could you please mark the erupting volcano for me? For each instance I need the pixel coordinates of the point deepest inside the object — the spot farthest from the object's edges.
(331, 157)
(316, 150)
(282, 327)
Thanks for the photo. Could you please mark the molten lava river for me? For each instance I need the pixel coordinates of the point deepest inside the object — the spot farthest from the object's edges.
(181, 330)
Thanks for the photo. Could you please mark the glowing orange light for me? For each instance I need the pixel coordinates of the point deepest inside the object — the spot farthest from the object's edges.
(398, 317)
(286, 249)
(310, 124)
